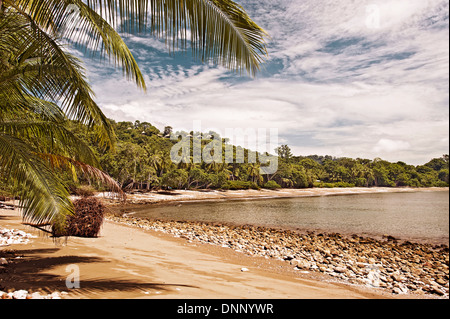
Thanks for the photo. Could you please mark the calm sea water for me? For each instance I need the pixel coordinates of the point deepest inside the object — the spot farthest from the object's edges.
(420, 216)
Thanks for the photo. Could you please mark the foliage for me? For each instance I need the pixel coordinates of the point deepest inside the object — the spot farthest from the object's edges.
(142, 156)
(41, 87)
(233, 185)
(271, 185)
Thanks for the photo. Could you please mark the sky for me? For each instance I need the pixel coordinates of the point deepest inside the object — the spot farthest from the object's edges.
(359, 79)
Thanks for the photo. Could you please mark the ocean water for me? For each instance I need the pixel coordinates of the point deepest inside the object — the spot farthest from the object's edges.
(419, 216)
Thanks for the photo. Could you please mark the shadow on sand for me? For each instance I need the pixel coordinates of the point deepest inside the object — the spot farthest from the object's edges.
(30, 272)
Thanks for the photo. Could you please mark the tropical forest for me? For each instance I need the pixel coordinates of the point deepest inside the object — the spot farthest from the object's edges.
(141, 161)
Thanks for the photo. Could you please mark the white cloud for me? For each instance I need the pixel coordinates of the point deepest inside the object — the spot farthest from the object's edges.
(339, 87)
(387, 145)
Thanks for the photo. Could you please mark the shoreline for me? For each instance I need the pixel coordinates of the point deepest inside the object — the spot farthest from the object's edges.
(177, 197)
(418, 277)
(161, 197)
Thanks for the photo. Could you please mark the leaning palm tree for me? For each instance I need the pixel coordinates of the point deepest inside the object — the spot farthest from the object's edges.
(42, 86)
(34, 140)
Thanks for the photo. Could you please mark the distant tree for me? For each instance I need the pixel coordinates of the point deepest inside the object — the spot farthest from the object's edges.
(167, 131)
(443, 175)
(438, 163)
(284, 152)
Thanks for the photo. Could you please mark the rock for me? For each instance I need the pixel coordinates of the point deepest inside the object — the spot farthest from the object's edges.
(55, 295)
(5, 295)
(400, 290)
(361, 265)
(20, 294)
(396, 290)
(313, 267)
(340, 269)
(301, 263)
(436, 290)
(442, 281)
(323, 268)
(397, 277)
(36, 295)
(288, 258)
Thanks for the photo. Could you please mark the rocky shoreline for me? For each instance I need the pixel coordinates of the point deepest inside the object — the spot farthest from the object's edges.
(400, 268)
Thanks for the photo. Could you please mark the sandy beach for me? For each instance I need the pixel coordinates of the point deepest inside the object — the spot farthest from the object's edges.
(131, 262)
(125, 262)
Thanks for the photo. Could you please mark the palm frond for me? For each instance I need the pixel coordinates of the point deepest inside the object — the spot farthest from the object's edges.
(16, 105)
(76, 21)
(52, 137)
(66, 163)
(42, 195)
(39, 67)
(218, 30)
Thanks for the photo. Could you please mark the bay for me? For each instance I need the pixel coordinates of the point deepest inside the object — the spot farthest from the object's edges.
(416, 216)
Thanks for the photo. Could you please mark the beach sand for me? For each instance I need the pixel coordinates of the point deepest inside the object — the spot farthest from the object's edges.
(125, 262)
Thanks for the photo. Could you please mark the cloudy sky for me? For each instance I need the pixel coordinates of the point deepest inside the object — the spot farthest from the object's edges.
(344, 78)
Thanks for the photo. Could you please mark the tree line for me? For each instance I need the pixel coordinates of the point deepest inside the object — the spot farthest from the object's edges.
(141, 160)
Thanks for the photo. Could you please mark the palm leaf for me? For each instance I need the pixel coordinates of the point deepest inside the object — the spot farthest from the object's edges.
(39, 67)
(218, 30)
(52, 137)
(42, 195)
(66, 163)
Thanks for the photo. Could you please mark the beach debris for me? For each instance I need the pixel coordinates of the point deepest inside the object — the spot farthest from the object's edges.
(244, 269)
(86, 220)
(14, 236)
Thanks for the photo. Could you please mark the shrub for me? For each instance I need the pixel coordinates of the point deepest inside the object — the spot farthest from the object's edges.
(86, 220)
(233, 185)
(271, 185)
(441, 184)
(332, 185)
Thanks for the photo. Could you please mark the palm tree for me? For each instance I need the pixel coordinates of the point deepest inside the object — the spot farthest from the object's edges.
(253, 171)
(39, 85)
(42, 86)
